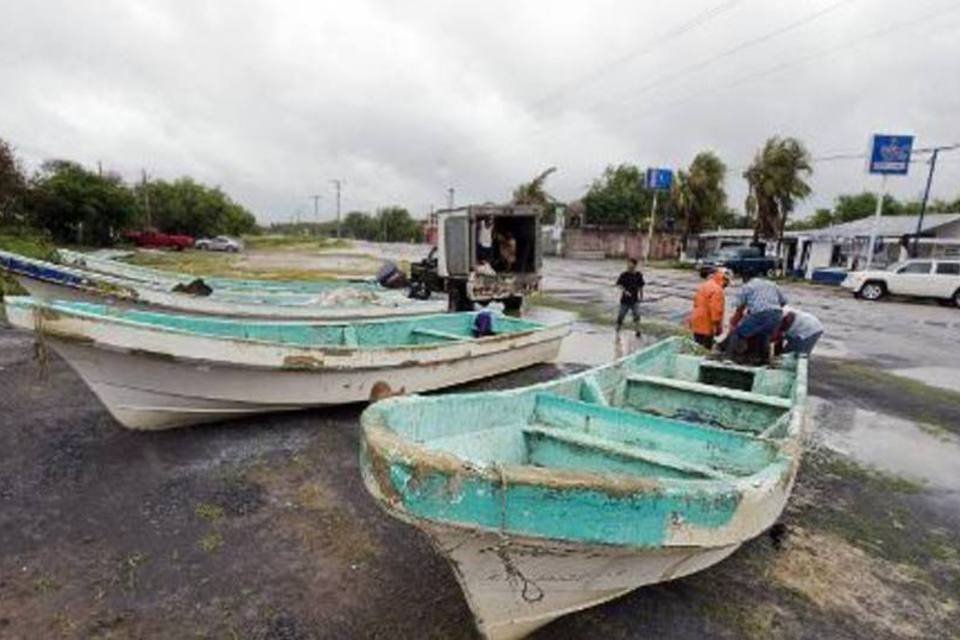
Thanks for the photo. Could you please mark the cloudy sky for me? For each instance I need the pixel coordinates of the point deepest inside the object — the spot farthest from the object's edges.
(401, 100)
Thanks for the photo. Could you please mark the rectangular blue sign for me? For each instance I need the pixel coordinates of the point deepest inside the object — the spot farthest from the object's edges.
(659, 179)
(890, 155)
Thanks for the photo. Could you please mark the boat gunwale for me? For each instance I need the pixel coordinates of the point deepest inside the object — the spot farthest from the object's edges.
(32, 306)
(383, 445)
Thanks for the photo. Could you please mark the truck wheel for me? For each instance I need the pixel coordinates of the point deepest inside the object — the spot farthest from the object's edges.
(512, 305)
(457, 299)
(872, 290)
(419, 290)
(956, 297)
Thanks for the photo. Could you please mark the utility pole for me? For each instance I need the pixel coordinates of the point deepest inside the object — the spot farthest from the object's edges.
(653, 217)
(876, 220)
(336, 184)
(146, 197)
(926, 195)
(316, 211)
(450, 193)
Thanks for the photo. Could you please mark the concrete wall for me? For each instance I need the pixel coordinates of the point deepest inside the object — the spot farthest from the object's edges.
(618, 243)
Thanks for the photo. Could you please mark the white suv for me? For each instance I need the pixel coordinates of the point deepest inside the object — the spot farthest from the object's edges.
(923, 278)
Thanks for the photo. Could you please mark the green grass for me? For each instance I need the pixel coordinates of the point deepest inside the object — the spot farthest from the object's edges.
(27, 242)
(268, 242)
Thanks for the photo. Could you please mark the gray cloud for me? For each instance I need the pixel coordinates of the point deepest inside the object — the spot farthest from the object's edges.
(402, 100)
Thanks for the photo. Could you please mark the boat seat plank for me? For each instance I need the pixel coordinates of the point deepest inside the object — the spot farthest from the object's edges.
(734, 452)
(350, 336)
(443, 335)
(592, 392)
(624, 451)
(711, 390)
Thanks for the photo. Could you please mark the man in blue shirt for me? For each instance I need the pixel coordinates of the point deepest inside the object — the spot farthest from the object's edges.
(759, 311)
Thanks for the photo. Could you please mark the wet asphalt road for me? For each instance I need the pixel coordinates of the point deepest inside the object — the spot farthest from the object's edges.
(262, 529)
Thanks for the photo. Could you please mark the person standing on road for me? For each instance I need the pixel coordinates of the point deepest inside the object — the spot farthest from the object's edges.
(762, 302)
(709, 303)
(631, 284)
(798, 332)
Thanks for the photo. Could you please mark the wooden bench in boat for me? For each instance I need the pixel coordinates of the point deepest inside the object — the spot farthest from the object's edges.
(443, 335)
(655, 463)
(564, 431)
(700, 402)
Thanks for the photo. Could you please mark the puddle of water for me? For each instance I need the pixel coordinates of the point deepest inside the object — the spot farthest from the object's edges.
(588, 344)
(942, 377)
(903, 447)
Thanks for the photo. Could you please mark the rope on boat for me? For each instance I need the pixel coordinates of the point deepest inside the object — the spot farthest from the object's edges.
(529, 590)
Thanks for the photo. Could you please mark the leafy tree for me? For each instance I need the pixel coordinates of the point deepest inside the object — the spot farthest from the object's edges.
(698, 195)
(13, 184)
(74, 204)
(185, 206)
(362, 226)
(777, 180)
(618, 197)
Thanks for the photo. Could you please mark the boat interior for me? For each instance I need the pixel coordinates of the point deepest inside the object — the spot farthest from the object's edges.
(665, 413)
(400, 332)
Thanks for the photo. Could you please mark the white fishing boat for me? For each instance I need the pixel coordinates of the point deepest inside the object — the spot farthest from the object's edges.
(157, 370)
(168, 279)
(50, 281)
(556, 497)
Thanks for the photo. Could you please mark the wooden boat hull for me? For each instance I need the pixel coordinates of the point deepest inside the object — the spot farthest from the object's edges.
(156, 379)
(515, 585)
(147, 392)
(562, 495)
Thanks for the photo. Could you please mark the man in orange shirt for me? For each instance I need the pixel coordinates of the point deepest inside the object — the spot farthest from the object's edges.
(706, 321)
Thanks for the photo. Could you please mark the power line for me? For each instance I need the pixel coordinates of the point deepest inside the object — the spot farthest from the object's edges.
(732, 51)
(698, 20)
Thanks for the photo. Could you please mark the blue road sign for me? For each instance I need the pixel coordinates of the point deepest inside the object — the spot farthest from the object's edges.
(890, 155)
(659, 179)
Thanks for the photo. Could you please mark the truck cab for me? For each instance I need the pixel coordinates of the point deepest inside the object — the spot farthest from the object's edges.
(470, 273)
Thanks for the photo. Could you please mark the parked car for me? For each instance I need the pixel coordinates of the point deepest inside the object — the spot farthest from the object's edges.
(922, 278)
(219, 243)
(157, 240)
(739, 260)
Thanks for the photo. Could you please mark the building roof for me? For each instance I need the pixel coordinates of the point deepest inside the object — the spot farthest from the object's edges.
(889, 226)
(727, 233)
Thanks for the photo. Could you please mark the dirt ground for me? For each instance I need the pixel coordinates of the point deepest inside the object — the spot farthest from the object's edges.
(262, 529)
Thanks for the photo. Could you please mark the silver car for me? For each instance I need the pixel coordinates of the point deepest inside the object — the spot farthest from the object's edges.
(219, 243)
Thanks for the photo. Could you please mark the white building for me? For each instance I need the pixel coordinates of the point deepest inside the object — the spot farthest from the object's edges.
(846, 245)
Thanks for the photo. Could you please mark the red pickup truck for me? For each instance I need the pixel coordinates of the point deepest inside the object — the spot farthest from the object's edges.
(156, 240)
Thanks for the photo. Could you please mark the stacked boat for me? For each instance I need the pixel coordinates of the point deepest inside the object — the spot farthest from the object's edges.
(160, 357)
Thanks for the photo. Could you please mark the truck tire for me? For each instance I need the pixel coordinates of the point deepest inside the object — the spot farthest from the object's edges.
(457, 299)
(512, 305)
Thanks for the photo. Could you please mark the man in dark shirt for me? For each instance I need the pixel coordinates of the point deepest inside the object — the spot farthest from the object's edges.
(631, 288)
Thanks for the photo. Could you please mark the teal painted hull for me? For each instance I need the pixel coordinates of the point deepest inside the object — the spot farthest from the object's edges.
(660, 455)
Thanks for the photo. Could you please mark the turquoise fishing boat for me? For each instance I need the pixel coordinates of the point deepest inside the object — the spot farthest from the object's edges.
(556, 497)
(52, 281)
(159, 370)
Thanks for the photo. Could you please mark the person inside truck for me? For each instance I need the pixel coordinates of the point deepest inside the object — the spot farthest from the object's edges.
(485, 241)
(507, 248)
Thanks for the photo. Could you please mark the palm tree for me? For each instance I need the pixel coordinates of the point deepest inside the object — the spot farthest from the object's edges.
(698, 193)
(532, 192)
(777, 181)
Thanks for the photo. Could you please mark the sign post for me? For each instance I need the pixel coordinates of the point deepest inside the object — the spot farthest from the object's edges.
(889, 155)
(658, 180)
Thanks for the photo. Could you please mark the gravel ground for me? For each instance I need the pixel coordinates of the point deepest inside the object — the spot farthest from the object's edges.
(262, 529)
